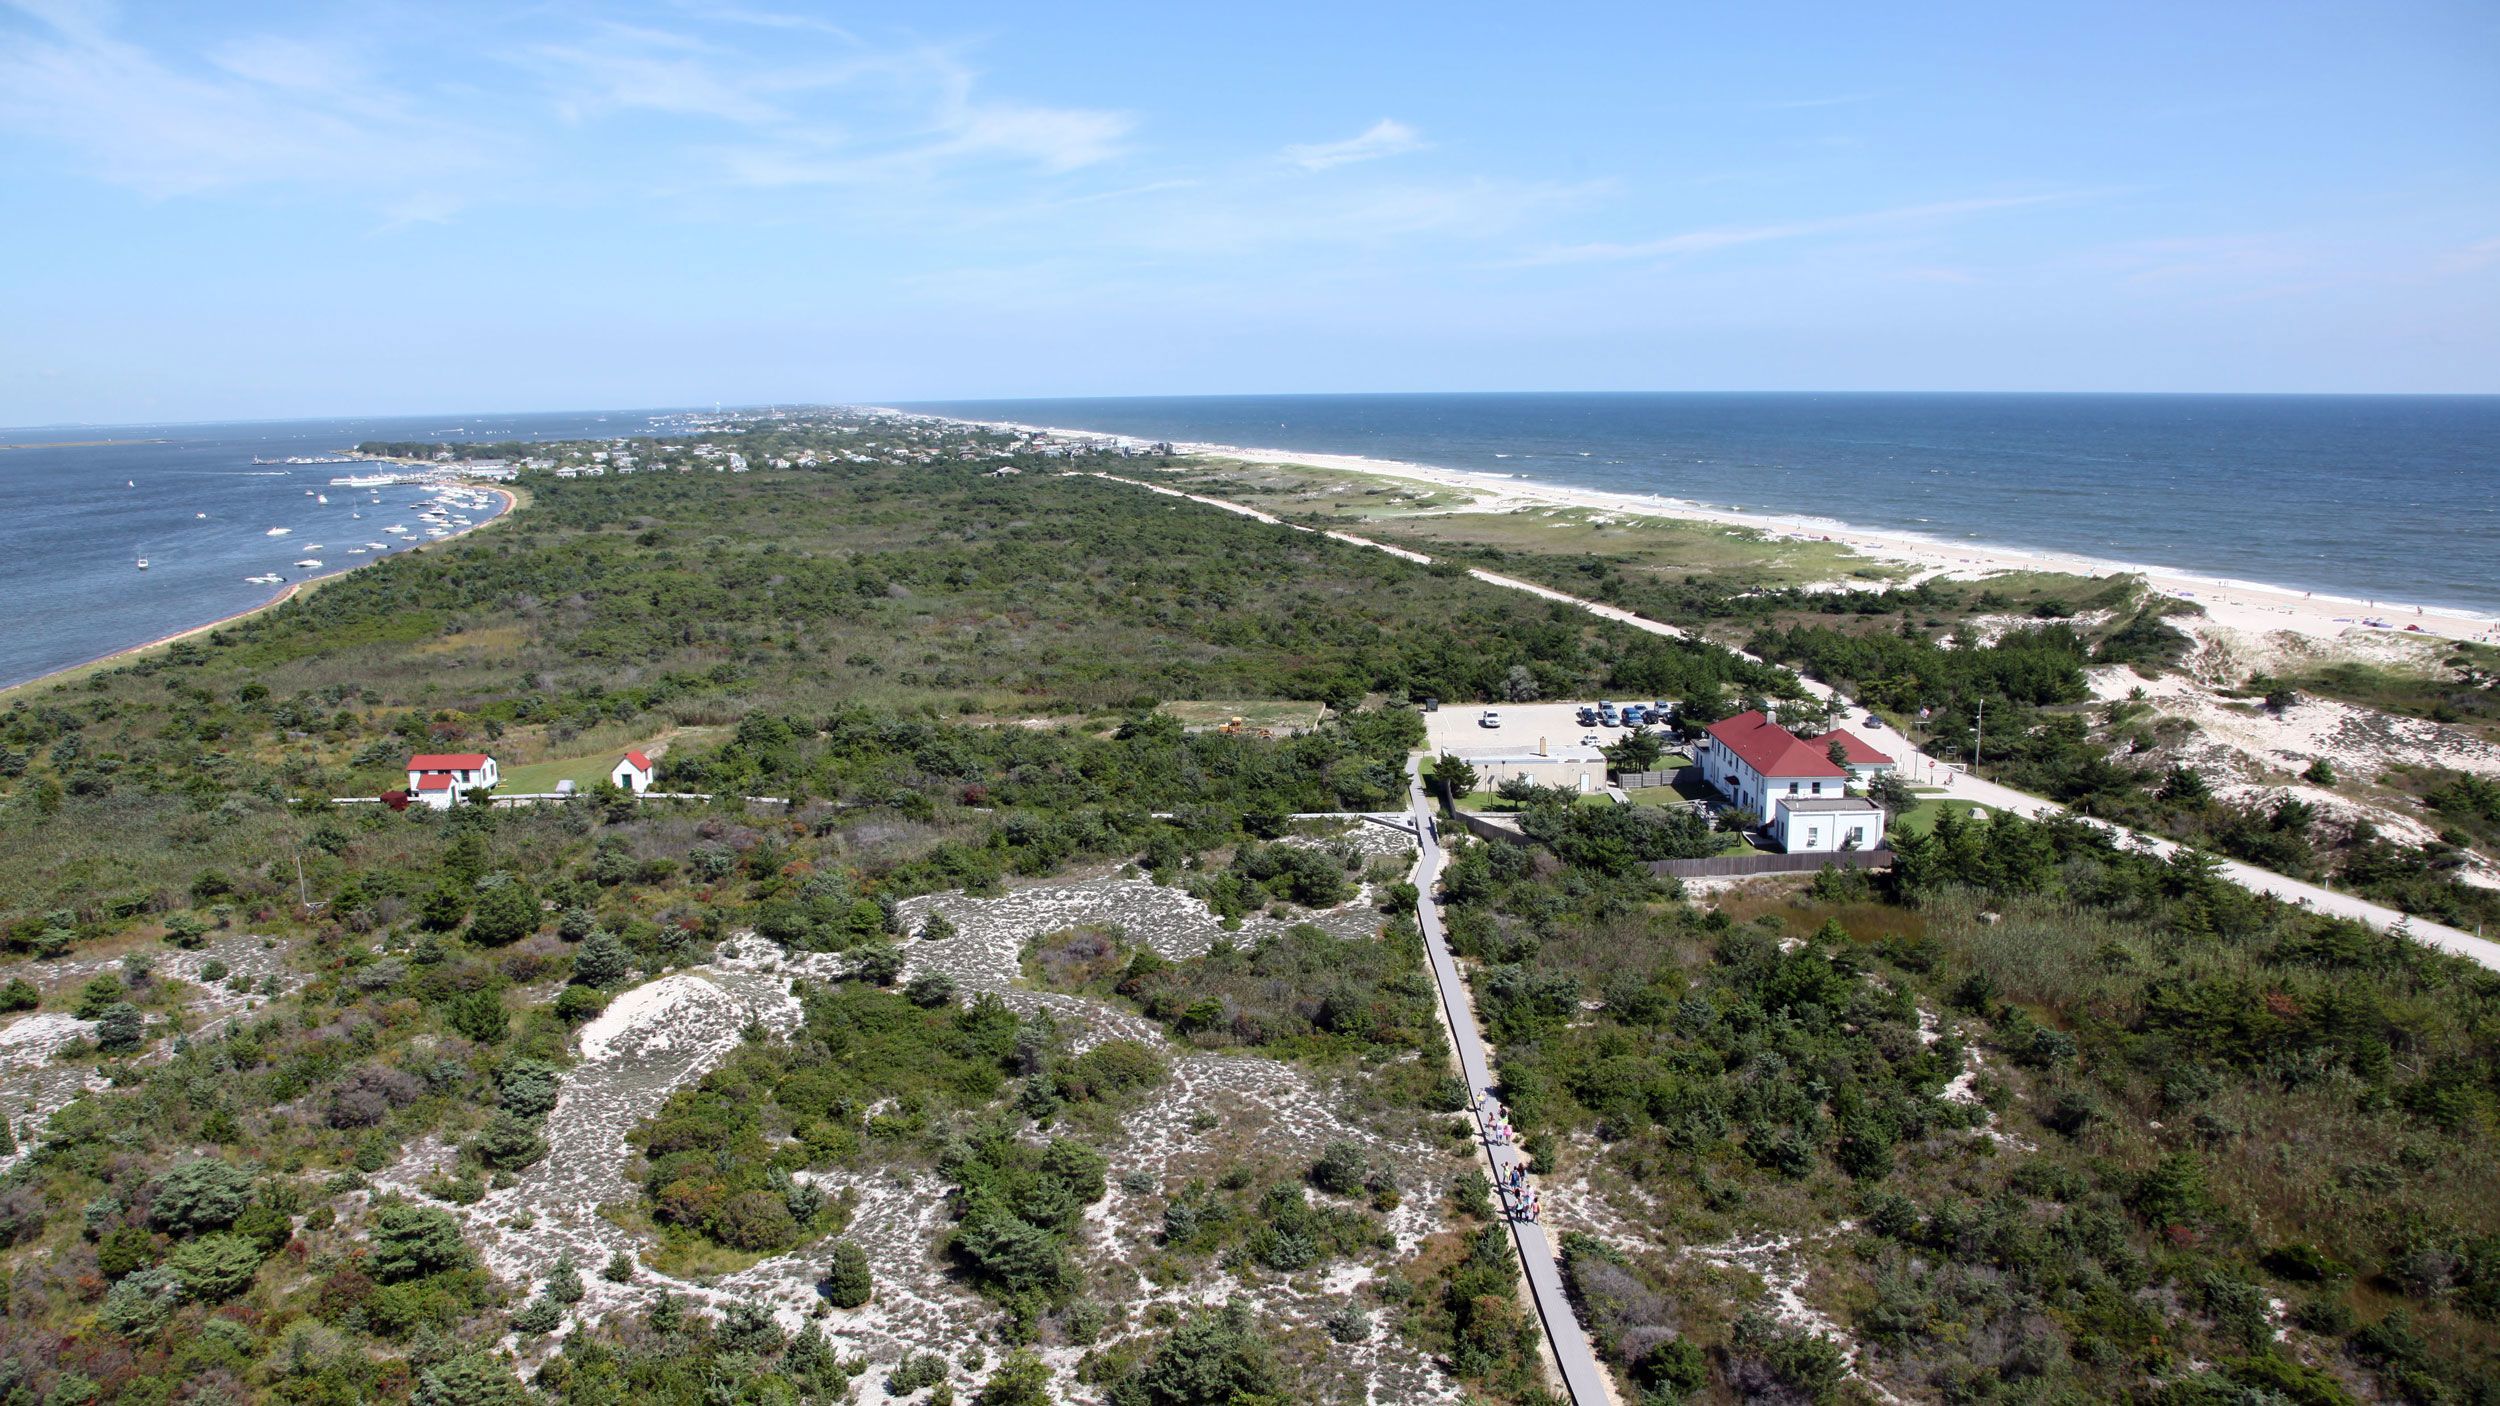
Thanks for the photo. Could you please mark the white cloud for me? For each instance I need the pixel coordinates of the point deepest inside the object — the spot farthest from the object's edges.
(845, 114)
(1053, 138)
(1704, 241)
(1386, 137)
(260, 112)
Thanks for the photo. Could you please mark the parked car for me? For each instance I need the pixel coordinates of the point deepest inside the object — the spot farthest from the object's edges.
(1588, 717)
(1589, 741)
(1634, 715)
(1431, 704)
(1874, 723)
(1607, 715)
(1490, 719)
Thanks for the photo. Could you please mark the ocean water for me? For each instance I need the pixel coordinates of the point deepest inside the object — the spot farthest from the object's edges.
(75, 519)
(2387, 498)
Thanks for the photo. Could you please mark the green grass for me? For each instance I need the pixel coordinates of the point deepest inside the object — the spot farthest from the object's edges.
(1487, 803)
(1658, 796)
(541, 777)
(1921, 818)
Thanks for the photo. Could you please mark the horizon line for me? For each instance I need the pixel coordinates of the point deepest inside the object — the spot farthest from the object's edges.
(724, 407)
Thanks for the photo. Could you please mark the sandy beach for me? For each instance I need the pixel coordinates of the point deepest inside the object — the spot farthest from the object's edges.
(2249, 606)
(511, 504)
(2252, 607)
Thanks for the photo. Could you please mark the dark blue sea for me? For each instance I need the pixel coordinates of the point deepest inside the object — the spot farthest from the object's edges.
(75, 520)
(2391, 498)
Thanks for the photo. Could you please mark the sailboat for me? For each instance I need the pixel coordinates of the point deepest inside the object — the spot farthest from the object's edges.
(143, 563)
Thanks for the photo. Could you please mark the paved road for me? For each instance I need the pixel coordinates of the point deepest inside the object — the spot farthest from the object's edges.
(1585, 1381)
(2342, 905)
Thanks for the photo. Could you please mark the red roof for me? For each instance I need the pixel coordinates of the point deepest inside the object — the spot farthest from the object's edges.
(641, 762)
(447, 761)
(1860, 752)
(435, 782)
(1773, 750)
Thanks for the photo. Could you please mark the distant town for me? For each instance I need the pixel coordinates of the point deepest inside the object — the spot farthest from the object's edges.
(738, 441)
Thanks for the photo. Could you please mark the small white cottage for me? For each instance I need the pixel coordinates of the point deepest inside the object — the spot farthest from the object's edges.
(632, 773)
(448, 774)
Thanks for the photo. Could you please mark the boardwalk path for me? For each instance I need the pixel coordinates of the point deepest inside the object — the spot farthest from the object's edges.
(1583, 1379)
(2343, 905)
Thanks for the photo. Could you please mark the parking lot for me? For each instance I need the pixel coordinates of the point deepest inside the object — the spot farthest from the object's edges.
(1527, 730)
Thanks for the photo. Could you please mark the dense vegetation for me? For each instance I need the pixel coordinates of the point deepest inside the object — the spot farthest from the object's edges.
(2043, 1119)
(862, 641)
(2078, 1114)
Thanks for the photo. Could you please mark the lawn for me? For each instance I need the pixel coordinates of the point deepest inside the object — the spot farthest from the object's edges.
(1487, 803)
(1659, 796)
(1921, 818)
(538, 778)
(587, 769)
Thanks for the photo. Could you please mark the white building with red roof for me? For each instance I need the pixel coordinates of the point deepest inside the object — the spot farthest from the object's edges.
(438, 779)
(1753, 760)
(632, 773)
(1792, 784)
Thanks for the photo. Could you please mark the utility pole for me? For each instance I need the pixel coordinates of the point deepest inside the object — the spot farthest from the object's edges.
(1979, 736)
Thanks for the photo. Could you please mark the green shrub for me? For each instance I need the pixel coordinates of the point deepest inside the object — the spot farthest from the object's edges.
(847, 1280)
(215, 1267)
(198, 1195)
(410, 1241)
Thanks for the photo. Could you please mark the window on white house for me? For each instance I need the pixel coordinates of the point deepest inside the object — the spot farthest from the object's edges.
(1792, 788)
(1813, 837)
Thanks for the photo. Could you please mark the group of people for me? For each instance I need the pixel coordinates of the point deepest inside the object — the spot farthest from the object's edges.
(1522, 1201)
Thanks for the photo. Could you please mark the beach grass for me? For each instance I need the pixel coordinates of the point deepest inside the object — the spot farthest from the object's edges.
(1280, 715)
(1644, 546)
(1299, 490)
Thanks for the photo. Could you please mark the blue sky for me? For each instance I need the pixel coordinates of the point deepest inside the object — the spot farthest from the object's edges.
(227, 211)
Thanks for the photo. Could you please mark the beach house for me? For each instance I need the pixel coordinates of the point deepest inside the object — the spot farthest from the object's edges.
(446, 775)
(632, 773)
(1755, 763)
